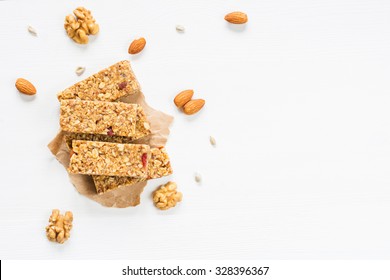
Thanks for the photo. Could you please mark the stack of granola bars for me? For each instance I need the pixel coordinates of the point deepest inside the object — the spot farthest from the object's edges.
(100, 131)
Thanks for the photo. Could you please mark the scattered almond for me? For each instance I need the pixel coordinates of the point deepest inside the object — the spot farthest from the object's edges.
(236, 17)
(183, 97)
(137, 46)
(25, 86)
(193, 106)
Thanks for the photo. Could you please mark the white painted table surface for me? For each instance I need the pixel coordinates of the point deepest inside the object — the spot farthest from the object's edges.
(298, 101)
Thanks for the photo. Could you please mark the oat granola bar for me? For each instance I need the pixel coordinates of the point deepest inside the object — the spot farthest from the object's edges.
(158, 166)
(142, 129)
(104, 184)
(142, 126)
(112, 159)
(69, 137)
(98, 117)
(109, 84)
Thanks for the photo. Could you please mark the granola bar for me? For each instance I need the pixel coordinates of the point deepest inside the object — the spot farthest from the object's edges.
(104, 184)
(158, 166)
(98, 117)
(112, 159)
(69, 137)
(142, 126)
(142, 129)
(109, 84)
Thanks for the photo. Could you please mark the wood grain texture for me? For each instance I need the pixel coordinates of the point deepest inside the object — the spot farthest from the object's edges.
(297, 100)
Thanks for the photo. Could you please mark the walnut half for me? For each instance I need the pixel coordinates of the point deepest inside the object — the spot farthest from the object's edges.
(59, 226)
(167, 196)
(79, 26)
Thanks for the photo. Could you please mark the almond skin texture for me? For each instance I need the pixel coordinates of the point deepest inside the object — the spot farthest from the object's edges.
(193, 106)
(137, 46)
(183, 97)
(236, 18)
(25, 86)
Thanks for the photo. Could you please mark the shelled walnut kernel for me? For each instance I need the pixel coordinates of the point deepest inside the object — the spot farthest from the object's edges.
(59, 226)
(79, 26)
(167, 196)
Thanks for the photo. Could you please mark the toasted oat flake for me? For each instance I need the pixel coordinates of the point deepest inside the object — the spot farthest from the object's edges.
(212, 141)
(146, 125)
(180, 28)
(32, 30)
(80, 70)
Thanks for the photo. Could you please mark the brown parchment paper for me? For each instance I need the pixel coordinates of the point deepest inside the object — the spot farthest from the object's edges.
(124, 196)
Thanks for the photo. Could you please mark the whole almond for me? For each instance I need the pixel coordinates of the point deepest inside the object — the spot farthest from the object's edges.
(137, 46)
(236, 17)
(193, 106)
(25, 86)
(183, 97)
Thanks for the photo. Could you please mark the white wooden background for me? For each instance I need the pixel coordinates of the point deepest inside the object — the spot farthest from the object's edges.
(298, 101)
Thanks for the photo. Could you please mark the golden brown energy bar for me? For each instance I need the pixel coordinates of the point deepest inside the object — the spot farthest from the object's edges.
(158, 166)
(112, 159)
(98, 117)
(109, 84)
(142, 129)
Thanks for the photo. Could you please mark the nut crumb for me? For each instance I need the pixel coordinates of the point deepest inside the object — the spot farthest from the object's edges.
(32, 30)
(212, 141)
(167, 196)
(180, 28)
(80, 70)
(59, 226)
(198, 178)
